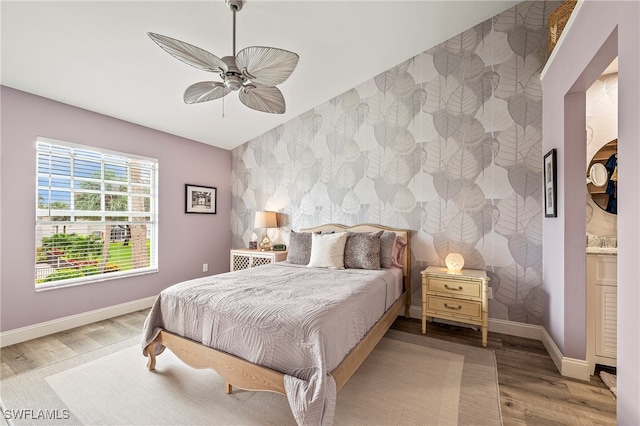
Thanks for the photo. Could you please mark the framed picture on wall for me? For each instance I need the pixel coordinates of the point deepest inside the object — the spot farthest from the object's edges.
(550, 190)
(200, 199)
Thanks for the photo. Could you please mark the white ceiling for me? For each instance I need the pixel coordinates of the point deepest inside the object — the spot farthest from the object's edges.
(96, 54)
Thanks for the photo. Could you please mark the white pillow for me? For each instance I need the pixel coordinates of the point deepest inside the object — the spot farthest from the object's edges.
(327, 250)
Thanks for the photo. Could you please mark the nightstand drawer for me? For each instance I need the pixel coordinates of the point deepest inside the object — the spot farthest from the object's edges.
(454, 287)
(454, 307)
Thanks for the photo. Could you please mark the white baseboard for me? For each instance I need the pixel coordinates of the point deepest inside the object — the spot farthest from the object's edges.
(415, 312)
(568, 367)
(509, 328)
(518, 329)
(34, 331)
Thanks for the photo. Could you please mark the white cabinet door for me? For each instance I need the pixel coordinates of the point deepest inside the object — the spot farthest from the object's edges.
(606, 320)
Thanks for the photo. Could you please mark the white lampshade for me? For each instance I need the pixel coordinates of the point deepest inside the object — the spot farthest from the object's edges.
(265, 220)
(454, 262)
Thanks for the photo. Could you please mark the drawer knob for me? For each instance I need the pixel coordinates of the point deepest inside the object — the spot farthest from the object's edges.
(453, 288)
(457, 308)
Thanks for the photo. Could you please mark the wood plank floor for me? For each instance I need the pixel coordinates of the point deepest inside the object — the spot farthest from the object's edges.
(532, 392)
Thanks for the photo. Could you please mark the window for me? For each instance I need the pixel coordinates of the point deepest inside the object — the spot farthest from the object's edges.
(96, 214)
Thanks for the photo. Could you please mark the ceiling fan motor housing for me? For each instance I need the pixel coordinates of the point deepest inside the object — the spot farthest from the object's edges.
(233, 82)
(233, 79)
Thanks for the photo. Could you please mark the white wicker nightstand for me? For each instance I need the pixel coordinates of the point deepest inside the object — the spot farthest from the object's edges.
(248, 258)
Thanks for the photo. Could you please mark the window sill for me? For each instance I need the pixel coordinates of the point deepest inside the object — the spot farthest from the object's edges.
(53, 286)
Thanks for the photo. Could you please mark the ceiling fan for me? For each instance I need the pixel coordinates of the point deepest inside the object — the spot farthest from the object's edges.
(253, 72)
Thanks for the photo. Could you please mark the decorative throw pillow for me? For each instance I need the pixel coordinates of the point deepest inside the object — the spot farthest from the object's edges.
(362, 250)
(299, 248)
(397, 256)
(387, 241)
(327, 250)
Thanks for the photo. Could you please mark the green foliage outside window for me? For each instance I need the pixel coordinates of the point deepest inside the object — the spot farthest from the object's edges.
(73, 246)
(66, 273)
(90, 201)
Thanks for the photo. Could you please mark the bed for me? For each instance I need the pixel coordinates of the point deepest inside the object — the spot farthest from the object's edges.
(298, 330)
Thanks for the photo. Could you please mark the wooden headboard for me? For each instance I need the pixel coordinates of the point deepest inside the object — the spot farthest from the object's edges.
(372, 227)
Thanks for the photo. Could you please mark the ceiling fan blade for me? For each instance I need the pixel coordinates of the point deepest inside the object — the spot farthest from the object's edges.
(267, 66)
(205, 91)
(263, 98)
(189, 54)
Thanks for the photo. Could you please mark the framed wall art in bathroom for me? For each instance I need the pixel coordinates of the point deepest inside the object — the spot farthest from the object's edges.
(550, 190)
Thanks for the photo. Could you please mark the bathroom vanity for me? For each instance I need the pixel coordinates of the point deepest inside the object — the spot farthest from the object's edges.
(602, 293)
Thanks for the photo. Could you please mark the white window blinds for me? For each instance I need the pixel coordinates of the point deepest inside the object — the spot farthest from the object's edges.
(96, 214)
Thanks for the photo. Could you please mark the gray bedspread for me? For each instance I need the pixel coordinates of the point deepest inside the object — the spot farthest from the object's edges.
(298, 320)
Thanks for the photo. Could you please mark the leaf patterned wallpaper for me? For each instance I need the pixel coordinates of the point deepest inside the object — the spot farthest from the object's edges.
(447, 144)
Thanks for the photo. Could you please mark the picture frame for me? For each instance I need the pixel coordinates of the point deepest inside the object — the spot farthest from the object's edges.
(550, 184)
(200, 199)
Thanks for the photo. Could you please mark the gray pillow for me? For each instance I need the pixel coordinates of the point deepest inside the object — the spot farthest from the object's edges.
(299, 248)
(362, 250)
(387, 241)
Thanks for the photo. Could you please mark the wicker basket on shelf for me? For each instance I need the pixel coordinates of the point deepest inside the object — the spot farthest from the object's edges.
(557, 21)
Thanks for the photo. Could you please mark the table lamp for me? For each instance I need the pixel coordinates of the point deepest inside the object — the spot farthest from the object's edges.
(265, 220)
(454, 262)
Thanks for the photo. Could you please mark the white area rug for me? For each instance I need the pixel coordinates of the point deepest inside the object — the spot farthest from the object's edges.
(611, 381)
(408, 379)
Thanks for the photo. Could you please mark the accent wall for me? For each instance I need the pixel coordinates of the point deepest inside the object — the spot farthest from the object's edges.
(447, 144)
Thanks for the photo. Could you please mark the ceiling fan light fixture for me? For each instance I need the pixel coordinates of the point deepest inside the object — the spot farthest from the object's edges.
(233, 82)
(255, 69)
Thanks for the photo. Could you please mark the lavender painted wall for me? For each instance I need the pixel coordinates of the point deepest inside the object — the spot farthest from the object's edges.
(600, 30)
(186, 241)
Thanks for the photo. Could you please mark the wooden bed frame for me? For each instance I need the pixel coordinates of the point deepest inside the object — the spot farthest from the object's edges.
(253, 377)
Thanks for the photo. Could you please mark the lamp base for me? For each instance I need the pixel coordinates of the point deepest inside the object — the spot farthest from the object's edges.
(265, 244)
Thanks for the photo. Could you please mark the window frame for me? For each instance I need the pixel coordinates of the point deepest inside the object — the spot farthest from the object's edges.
(101, 156)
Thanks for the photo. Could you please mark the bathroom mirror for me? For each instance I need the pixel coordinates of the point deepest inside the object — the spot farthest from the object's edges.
(602, 177)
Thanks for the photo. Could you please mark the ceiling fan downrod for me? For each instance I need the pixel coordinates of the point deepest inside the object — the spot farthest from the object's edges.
(233, 78)
(234, 6)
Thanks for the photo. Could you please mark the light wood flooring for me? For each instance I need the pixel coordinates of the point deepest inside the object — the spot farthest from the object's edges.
(532, 392)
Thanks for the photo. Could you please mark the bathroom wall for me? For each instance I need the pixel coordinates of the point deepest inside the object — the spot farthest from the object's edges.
(599, 32)
(602, 128)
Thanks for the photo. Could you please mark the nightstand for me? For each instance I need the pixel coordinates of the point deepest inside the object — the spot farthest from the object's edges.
(456, 296)
(249, 258)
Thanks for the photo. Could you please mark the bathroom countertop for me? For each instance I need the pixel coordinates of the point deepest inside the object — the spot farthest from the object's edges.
(602, 250)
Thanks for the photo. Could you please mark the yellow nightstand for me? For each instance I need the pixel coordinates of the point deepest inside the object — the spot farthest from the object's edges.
(460, 297)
